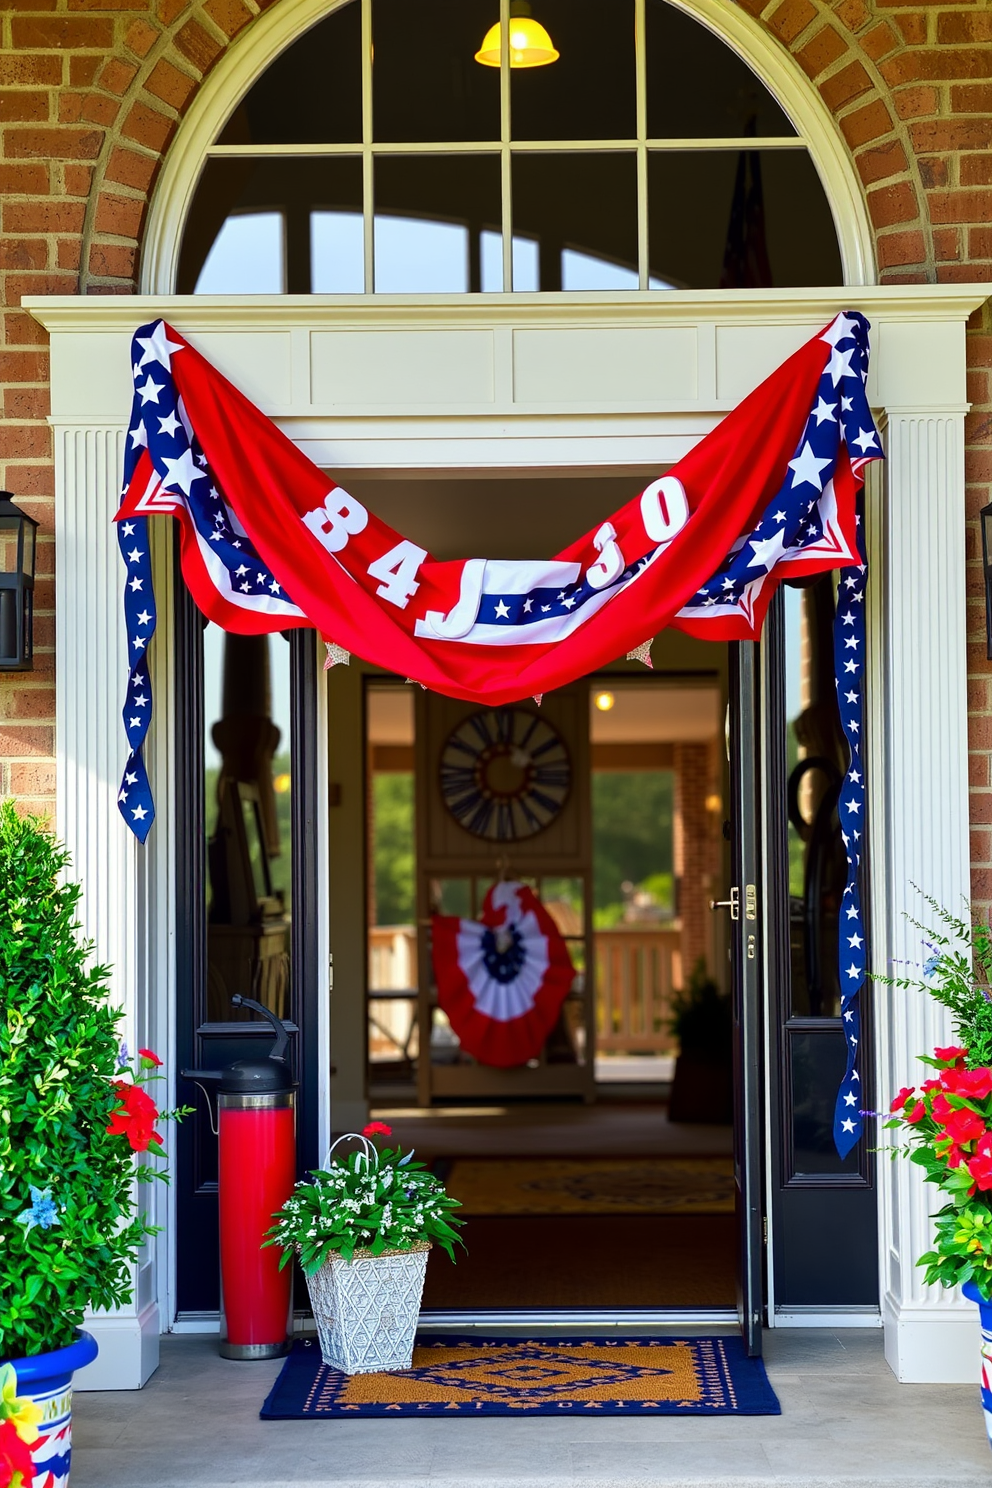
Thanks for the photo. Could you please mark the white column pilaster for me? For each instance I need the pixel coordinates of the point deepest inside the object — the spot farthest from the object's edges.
(91, 669)
(919, 793)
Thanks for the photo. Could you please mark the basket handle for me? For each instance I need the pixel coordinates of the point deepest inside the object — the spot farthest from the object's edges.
(368, 1149)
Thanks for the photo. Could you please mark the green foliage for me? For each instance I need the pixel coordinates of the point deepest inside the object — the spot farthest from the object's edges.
(371, 1200)
(958, 974)
(58, 1055)
(393, 847)
(632, 816)
(702, 1018)
(948, 1120)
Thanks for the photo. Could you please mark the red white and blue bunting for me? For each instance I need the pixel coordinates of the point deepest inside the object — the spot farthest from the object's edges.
(502, 979)
(269, 542)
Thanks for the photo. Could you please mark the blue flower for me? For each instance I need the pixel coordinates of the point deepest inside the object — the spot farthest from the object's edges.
(42, 1212)
(123, 1058)
(930, 965)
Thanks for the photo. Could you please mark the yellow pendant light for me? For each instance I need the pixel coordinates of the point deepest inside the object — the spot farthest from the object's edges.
(530, 44)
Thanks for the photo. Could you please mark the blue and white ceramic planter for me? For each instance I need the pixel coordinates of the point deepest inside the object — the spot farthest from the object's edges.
(47, 1380)
(985, 1312)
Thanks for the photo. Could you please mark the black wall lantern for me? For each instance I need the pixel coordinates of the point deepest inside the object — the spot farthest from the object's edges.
(986, 519)
(17, 549)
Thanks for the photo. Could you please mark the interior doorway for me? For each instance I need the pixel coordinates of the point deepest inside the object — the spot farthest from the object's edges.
(616, 1137)
(576, 1154)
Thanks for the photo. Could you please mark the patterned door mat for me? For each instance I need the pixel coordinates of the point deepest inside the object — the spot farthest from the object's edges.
(466, 1376)
(595, 1185)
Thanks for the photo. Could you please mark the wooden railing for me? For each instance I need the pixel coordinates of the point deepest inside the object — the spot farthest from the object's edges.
(392, 991)
(637, 968)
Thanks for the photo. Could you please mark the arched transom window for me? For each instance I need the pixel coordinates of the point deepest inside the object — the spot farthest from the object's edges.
(378, 153)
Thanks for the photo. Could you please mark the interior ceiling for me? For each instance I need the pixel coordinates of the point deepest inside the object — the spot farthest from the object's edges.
(642, 713)
(652, 713)
(499, 517)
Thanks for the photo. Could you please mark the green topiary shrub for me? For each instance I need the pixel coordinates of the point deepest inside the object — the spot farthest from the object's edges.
(68, 1226)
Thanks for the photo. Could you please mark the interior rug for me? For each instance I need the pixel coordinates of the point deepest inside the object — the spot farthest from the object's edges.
(707, 1376)
(594, 1185)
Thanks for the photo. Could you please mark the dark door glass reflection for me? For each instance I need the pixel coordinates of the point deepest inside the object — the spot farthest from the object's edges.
(250, 228)
(716, 217)
(426, 83)
(581, 205)
(311, 93)
(816, 757)
(818, 1059)
(247, 795)
(697, 87)
(431, 212)
(590, 92)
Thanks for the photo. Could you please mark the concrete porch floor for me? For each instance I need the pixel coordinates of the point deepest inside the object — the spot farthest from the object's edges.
(845, 1420)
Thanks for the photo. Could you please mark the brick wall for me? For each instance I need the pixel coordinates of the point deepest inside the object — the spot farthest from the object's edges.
(91, 92)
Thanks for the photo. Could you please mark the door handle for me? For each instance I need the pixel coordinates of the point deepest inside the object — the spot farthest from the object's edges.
(733, 903)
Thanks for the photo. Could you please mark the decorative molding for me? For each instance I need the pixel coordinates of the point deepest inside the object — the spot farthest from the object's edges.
(754, 307)
(919, 828)
(91, 665)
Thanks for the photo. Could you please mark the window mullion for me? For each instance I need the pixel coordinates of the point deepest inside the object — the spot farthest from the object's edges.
(368, 184)
(506, 182)
(641, 101)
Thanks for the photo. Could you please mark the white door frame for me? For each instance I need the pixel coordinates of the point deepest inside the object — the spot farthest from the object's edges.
(543, 383)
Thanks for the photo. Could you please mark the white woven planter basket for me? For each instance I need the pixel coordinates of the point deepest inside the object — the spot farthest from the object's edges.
(366, 1309)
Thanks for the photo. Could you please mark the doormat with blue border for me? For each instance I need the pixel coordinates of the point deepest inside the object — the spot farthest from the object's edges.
(470, 1376)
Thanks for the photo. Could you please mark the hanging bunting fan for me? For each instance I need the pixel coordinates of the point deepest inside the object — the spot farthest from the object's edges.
(502, 979)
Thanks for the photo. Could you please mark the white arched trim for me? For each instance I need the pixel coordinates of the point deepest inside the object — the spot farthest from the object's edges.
(273, 31)
(783, 76)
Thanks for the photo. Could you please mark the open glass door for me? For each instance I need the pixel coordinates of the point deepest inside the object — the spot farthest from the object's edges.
(745, 955)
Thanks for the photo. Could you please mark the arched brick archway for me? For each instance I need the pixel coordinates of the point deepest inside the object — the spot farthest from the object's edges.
(903, 98)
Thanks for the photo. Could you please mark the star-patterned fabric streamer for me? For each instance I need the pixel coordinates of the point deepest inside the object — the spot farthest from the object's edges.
(269, 542)
(850, 637)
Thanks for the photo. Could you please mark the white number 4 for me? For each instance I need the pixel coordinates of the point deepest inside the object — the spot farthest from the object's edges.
(398, 571)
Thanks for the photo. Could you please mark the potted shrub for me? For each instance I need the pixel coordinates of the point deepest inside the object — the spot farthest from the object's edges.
(73, 1119)
(947, 1120)
(702, 1021)
(362, 1229)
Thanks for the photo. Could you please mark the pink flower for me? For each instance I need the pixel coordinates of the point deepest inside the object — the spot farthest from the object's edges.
(953, 1054)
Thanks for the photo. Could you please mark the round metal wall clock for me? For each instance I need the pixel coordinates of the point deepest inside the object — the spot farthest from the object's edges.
(505, 774)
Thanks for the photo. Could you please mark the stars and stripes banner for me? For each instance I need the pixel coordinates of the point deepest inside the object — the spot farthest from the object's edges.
(502, 979)
(269, 541)
(849, 673)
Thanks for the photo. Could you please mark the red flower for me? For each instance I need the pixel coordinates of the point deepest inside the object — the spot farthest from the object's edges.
(953, 1054)
(915, 1114)
(901, 1099)
(929, 1085)
(963, 1126)
(941, 1108)
(980, 1168)
(975, 1084)
(149, 1059)
(134, 1117)
(377, 1129)
(16, 1464)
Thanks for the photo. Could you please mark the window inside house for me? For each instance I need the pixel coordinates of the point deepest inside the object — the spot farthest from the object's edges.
(377, 154)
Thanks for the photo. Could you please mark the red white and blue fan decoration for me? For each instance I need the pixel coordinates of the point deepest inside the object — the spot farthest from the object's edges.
(502, 979)
(270, 542)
